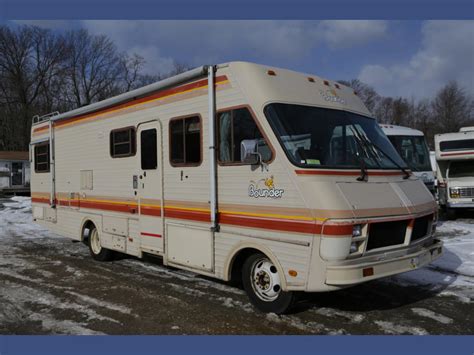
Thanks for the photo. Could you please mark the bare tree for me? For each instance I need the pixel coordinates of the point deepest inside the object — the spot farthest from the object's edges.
(93, 67)
(452, 108)
(366, 92)
(30, 61)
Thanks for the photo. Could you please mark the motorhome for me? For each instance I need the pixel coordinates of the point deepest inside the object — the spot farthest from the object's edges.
(412, 147)
(281, 180)
(14, 173)
(455, 172)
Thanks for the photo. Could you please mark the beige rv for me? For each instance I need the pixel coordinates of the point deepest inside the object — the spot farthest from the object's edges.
(238, 171)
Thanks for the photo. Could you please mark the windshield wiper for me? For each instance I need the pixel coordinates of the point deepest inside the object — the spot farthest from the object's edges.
(364, 176)
(372, 144)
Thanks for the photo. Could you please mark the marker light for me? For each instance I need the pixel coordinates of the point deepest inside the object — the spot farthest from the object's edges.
(326, 82)
(271, 73)
(311, 80)
(369, 271)
(337, 86)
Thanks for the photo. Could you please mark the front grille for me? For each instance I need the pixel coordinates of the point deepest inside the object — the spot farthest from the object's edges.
(420, 227)
(384, 234)
(466, 191)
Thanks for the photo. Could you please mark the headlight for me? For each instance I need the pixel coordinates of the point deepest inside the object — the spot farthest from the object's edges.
(454, 192)
(357, 230)
(354, 247)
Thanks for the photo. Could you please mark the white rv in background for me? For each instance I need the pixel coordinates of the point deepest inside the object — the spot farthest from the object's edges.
(455, 173)
(412, 147)
(279, 179)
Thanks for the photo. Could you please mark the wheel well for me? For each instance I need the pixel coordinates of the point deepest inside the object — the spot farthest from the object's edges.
(88, 225)
(238, 262)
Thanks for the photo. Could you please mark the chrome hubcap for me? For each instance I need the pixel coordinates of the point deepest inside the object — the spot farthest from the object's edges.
(95, 242)
(265, 280)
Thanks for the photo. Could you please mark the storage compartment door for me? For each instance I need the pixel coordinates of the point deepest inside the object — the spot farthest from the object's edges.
(189, 245)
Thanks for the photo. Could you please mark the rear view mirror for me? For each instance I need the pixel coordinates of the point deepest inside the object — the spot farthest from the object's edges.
(248, 152)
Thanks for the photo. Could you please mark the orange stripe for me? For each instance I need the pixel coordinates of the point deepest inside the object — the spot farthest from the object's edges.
(346, 173)
(309, 227)
(158, 95)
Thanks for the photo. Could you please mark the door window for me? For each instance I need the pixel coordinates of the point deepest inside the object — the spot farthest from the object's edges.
(148, 147)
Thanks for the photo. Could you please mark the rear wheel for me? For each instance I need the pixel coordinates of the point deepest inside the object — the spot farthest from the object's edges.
(95, 247)
(262, 282)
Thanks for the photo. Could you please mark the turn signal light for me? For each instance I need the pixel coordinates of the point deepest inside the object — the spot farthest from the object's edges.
(292, 273)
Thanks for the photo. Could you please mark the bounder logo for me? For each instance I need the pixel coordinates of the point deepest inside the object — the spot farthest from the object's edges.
(268, 190)
(331, 95)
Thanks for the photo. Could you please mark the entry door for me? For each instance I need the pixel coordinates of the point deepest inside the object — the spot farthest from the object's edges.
(17, 174)
(149, 186)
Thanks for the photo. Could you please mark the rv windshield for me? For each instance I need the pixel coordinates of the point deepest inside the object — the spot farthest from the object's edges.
(459, 169)
(413, 150)
(319, 137)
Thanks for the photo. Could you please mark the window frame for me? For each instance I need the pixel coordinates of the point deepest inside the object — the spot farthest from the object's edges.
(48, 156)
(133, 143)
(259, 126)
(170, 141)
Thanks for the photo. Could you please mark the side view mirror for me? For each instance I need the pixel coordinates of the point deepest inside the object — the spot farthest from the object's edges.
(249, 153)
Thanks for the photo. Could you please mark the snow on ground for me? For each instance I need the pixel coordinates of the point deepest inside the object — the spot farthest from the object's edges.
(453, 271)
(30, 292)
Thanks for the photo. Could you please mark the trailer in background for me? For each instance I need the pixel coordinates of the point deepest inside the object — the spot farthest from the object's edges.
(14, 173)
(455, 171)
(412, 147)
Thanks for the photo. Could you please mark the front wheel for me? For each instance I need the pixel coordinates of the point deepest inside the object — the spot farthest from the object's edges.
(262, 282)
(95, 247)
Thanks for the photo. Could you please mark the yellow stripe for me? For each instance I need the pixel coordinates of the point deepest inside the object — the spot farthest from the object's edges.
(250, 214)
(138, 104)
(272, 215)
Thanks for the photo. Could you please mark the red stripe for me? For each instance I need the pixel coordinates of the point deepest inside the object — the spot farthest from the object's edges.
(151, 235)
(309, 227)
(346, 173)
(150, 211)
(160, 94)
(189, 215)
(272, 224)
(40, 200)
(454, 154)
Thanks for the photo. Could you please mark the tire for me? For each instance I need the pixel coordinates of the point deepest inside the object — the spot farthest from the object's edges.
(450, 213)
(262, 283)
(96, 250)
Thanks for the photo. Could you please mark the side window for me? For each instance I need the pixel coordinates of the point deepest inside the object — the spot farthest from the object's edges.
(122, 142)
(233, 127)
(185, 141)
(148, 149)
(42, 158)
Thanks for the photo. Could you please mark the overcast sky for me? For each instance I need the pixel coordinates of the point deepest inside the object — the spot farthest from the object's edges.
(398, 58)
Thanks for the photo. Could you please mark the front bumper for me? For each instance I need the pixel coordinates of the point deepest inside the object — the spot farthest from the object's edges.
(460, 204)
(346, 275)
